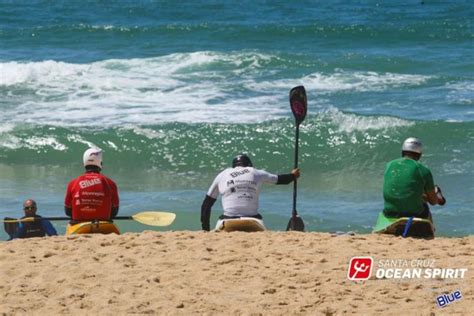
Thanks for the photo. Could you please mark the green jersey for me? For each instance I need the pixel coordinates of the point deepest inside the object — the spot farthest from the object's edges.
(405, 181)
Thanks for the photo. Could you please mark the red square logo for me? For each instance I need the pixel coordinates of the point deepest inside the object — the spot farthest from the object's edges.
(360, 268)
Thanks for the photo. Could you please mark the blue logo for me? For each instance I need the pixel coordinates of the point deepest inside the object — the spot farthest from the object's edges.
(446, 299)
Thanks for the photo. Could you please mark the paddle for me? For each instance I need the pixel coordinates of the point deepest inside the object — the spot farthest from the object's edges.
(10, 228)
(299, 105)
(147, 218)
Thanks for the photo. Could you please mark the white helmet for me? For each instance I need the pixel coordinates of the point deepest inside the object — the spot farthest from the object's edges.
(93, 157)
(412, 144)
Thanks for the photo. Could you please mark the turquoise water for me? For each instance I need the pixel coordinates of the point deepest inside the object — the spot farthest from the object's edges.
(172, 92)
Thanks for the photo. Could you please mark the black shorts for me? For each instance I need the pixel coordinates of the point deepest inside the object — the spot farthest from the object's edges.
(258, 216)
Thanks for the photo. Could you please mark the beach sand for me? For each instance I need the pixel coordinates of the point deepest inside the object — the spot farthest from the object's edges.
(188, 273)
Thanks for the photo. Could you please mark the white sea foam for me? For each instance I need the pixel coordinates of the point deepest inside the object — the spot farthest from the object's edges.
(461, 92)
(342, 80)
(35, 142)
(79, 139)
(188, 87)
(147, 132)
(178, 87)
(347, 128)
(347, 122)
(10, 142)
(5, 128)
(39, 72)
(368, 81)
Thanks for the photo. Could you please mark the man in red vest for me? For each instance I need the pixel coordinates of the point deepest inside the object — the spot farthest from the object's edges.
(92, 196)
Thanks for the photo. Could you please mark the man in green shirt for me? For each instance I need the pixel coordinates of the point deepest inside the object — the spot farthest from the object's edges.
(408, 184)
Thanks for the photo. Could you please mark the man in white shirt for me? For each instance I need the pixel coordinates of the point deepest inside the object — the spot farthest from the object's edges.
(240, 190)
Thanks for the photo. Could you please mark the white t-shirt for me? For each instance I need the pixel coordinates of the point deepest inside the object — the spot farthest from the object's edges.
(240, 189)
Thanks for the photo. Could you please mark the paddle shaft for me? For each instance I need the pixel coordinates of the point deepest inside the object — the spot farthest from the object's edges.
(68, 218)
(295, 184)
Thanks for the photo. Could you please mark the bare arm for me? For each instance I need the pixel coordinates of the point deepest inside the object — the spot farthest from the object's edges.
(435, 196)
(431, 197)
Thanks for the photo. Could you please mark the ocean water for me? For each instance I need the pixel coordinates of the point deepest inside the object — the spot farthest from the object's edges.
(171, 91)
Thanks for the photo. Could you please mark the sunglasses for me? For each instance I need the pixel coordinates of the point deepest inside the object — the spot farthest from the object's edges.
(29, 208)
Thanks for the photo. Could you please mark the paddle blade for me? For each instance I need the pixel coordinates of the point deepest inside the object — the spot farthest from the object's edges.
(298, 103)
(10, 226)
(155, 218)
(296, 224)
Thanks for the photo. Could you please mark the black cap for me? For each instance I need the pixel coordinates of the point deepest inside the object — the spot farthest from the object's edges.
(241, 160)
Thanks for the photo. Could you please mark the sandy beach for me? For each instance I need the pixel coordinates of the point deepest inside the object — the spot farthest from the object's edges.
(188, 273)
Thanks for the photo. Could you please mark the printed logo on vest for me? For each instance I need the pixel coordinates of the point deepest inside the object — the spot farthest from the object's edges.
(88, 183)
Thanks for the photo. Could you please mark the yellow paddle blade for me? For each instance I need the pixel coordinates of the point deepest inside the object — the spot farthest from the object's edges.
(155, 218)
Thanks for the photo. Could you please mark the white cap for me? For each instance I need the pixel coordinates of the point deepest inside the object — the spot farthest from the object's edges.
(93, 157)
(412, 144)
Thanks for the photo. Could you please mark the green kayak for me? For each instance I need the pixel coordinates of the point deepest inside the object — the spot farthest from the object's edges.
(419, 227)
